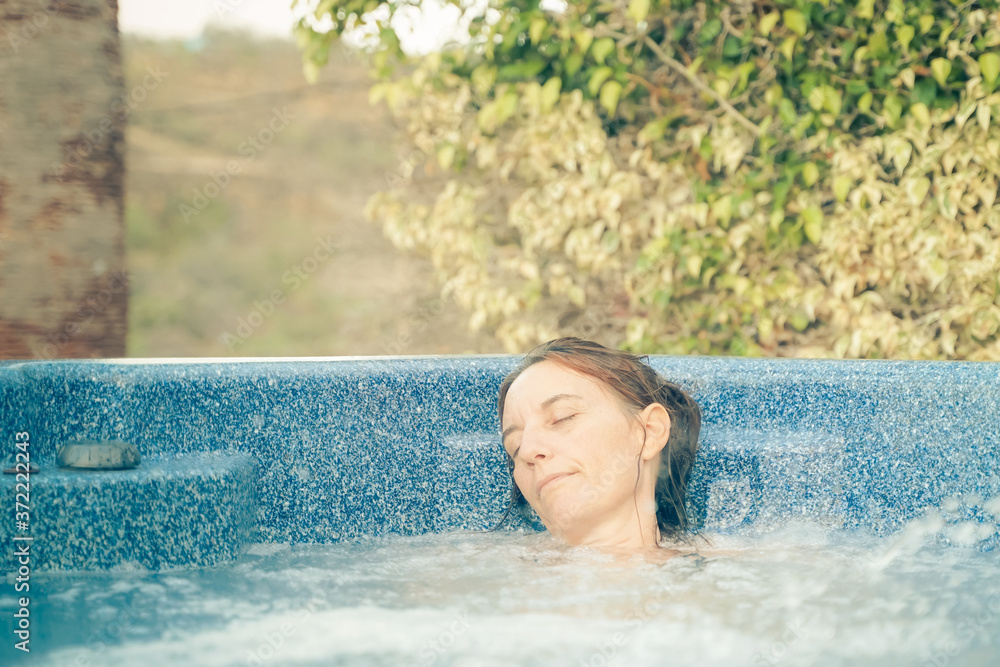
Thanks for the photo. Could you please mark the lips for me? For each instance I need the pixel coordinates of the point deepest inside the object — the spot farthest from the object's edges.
(551, 478)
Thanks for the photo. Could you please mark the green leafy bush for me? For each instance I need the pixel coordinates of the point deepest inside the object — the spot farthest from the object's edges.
(769, 178)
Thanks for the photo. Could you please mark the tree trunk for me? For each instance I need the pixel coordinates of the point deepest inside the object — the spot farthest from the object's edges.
(63, 286)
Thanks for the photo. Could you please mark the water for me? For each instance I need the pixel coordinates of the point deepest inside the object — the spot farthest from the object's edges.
(801, 596)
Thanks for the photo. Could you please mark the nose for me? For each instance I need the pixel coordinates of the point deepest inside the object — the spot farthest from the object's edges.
(534, 445)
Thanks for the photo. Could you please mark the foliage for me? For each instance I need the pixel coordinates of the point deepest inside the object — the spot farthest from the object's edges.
(777, 177)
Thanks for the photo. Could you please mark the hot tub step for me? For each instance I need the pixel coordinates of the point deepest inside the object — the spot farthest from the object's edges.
(182, 511)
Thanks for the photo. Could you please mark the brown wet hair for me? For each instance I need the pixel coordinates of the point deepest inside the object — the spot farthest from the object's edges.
(635, 384)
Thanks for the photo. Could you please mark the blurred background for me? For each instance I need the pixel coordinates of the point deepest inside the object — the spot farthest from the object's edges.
(353, 177)
(202, 285)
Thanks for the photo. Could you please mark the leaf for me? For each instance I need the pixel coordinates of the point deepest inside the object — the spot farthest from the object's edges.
(573, 63)
(941, 68)
(904, 34)
(892, 109)
(598, 78)
(917, 189)
(522, 70)
(537, 27)
(722, 209)
(653, 130)
(786, 112)
(487, 117)
(767, 23)
(550, 93)
(774, 222)
(602, 48)
(900, 151)
(989, 67)
(810, 174)
(825, 97)
(765, 328)
(832, 100)
(964, 113)
(796, 21)
(610, 241)
(865, 102)
(446, 155)
(787, 47)
(799, 320)
(926, 23)
(610, 92)
(938, 272)
(804, 124)
(483, 78)
(693, 265)
(895, 11)
(856, 87)
(866, 9)
(946, 33)
(506, 106)
(638, 10)
(921, 113)
(583, 39)
(842, 187)
(709, 31)
(816, 98)
(812, 223)
(878, 43)
(983, 116)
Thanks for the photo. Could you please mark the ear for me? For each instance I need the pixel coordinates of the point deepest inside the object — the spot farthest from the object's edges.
(656, 421)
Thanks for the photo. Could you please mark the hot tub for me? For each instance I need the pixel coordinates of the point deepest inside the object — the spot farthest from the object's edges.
(331, 511)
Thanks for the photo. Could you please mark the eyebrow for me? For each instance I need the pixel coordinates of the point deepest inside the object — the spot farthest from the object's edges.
(546, 403)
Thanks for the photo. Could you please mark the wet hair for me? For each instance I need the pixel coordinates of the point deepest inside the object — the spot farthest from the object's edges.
(636, 385)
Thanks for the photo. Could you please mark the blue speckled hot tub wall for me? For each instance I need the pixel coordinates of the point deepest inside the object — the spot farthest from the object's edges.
(308, 450)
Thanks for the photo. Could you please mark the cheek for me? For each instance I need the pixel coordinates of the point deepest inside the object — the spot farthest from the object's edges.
(523, 481)
(609, 461)
(604, 447)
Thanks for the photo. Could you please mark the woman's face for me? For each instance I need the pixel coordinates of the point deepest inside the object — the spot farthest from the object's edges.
(577, 456)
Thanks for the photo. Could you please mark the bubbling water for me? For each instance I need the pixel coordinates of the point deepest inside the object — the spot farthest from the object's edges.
(801, 595)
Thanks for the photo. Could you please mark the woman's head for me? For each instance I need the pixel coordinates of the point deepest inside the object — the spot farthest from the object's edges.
(598, 443)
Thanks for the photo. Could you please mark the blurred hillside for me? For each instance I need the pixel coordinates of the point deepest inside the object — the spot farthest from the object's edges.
(244, 191)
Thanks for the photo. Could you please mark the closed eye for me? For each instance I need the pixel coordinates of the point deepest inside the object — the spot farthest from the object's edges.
(558, 421)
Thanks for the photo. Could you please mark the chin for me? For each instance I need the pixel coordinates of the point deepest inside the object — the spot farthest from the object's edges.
(564, 517)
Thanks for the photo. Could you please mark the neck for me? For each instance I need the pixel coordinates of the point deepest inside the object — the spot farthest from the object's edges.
(625, 531)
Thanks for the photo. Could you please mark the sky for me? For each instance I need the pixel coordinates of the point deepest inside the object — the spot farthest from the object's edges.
(419, 32)
(187, 18)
